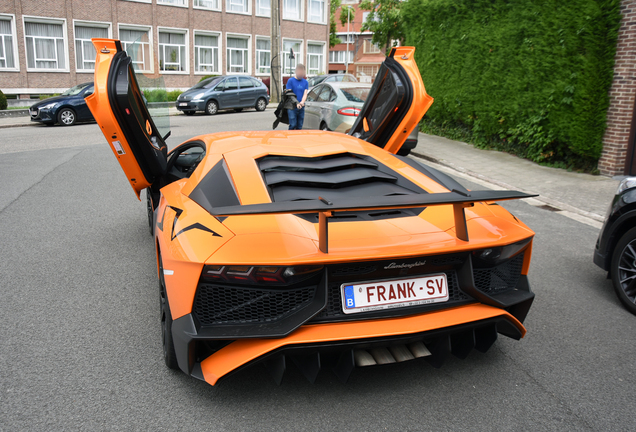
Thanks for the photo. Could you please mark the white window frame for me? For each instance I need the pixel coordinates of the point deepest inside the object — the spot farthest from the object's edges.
(248, 69)
(219, 9)
(186, 34)
(350, 36)
(258, 9)
(323, 64)
(249, 7)
(149, 32)
(337, 61)
(219, 55)
(84, 23)
(301, 5)
(368, 42)
(14, 38)
(322, 19)
(44, 20)
(169, 3)
(256, 59)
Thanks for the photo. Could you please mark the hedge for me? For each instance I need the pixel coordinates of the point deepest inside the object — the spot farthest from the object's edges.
(161, 95)
(3, 101)
(526, 76)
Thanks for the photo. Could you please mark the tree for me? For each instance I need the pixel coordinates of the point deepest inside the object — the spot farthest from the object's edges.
(384, 20)
(333, 38)
(347, 13)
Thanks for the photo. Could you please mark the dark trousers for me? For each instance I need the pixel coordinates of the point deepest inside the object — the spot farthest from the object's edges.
(296, 118)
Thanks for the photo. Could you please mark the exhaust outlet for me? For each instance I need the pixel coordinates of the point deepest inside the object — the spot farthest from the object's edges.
(382, 356)
(401, 353)
(363, 358)
(419, 349)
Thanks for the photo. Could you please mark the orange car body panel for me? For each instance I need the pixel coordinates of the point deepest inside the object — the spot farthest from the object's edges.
(242, 352)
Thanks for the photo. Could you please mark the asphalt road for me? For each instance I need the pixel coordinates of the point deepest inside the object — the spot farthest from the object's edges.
(80, 337)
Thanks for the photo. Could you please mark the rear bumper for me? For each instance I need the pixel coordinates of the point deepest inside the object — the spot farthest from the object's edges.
(333, 345)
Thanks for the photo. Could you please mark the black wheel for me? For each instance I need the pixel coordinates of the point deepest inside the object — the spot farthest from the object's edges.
(66, 117)
(211, 108)
(624, 270)
(188, 113)
(404, 151)
(169, 355)
(238, 109)
(261, 104)
(150, 209)
(324, 127)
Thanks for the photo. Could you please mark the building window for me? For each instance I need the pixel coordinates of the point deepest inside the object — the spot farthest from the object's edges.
(206, 53)
(343, 38)
(370, 47)
(367, 73)
(238, 6)
(237, 54)
(45, 45)
(263, 56)
(315, 58)
(263, 8)
(136, 43)
(85, 53)
(292, 9)
(316, 11)
(183, 3)
(7, 53)
(172, 51)
(339, 56)
(289, 65)
(208, 4)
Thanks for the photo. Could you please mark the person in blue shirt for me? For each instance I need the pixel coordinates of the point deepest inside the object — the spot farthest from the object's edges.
(299, 85)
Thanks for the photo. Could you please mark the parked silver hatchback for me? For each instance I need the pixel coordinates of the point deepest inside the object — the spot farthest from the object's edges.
(334, 106)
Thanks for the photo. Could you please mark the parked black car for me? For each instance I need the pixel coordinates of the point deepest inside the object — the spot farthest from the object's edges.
(225, 92)
(616, 244)
(65, 109)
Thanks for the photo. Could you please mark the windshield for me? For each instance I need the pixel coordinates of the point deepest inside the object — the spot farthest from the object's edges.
(207, 83)
(153, 89)
(354, 94)
(75, 90)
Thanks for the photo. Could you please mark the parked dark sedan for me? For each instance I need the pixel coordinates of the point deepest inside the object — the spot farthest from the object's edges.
(225, 92)
(65, 109)
(616, 244)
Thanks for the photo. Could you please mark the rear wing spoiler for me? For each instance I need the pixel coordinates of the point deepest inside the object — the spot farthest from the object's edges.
(326, 209)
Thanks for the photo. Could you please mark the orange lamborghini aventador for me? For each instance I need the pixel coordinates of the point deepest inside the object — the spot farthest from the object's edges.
(316, 248)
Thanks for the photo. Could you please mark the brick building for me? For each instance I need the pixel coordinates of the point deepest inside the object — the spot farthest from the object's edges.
(365, 58)
(619, 142)
(45, 45)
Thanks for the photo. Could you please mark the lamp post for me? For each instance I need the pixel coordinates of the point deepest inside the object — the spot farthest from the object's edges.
(347, 51)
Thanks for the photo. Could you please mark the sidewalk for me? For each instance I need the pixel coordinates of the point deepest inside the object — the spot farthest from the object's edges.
(584, 194)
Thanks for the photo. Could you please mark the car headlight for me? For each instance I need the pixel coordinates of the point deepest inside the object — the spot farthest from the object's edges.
(198, 96)
(49, 106)
(626, 183)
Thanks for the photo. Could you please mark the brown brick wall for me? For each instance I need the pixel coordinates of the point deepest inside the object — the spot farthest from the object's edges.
(622, 92)
(147, 14)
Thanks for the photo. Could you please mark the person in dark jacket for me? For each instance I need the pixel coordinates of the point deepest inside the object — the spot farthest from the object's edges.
(287, 102)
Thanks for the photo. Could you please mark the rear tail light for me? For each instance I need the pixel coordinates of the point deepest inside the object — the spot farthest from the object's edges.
(349, 111)
(253, 275)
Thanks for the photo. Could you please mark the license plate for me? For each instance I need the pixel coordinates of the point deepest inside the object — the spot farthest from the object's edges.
(396, 293)
(183, 104)
(33, 112)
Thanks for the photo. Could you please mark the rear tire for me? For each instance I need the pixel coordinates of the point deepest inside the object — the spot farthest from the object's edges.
(211, 108)
(66, 117)
(623, 270)
(169, 354)
(261, 104)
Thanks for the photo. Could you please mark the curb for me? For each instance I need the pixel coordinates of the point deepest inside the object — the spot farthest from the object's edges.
(550, 204)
